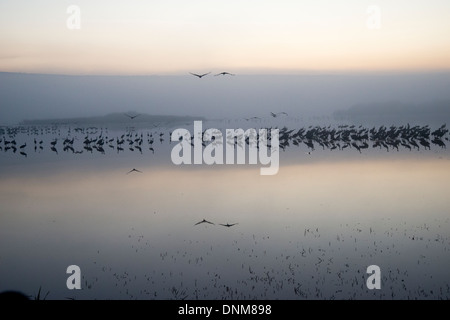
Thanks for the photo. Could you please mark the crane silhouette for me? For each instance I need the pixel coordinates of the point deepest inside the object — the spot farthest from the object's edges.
(276, 114)
(131, 117)
(133, 170)
(203, 221)
(199, 75)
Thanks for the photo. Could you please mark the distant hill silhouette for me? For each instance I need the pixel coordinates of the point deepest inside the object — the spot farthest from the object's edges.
(112, 119)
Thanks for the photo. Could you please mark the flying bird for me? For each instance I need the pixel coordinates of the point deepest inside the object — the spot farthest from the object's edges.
(275, 114)
(203, 221)
(199, 75)
(252, 118)
(224, 73)
(134, 170)
(131, 117)
(228, 225)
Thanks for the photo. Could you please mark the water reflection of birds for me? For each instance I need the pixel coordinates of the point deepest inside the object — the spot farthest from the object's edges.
(203, 221)
(228, 225)
(224, 74)
(268, 274)
(271, 273)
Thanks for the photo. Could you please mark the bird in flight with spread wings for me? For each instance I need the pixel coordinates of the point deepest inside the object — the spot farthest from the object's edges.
(199, 75)
(203, 221)
(275, 114)
(133, 170)
(130, 116)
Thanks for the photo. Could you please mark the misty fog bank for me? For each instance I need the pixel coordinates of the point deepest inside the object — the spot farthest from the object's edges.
(34, 96)
(130, 118)
(396, 112)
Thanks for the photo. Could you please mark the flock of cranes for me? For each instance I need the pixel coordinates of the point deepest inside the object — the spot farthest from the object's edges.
(79, 140)
(91, 140)
(360, 138)
(304, 269)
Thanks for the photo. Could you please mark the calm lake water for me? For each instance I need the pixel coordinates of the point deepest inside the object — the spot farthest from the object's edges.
(309, 232)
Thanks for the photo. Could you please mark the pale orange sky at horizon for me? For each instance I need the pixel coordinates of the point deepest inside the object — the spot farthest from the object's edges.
(174, 37)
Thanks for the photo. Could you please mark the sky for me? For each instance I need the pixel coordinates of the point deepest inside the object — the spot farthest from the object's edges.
(254, 36)
(92, 55)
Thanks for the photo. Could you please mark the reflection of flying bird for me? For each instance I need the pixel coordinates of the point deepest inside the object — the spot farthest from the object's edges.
(228, 225)
(224, 73)
(203, 221)
(134, 170)
(199, 75)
